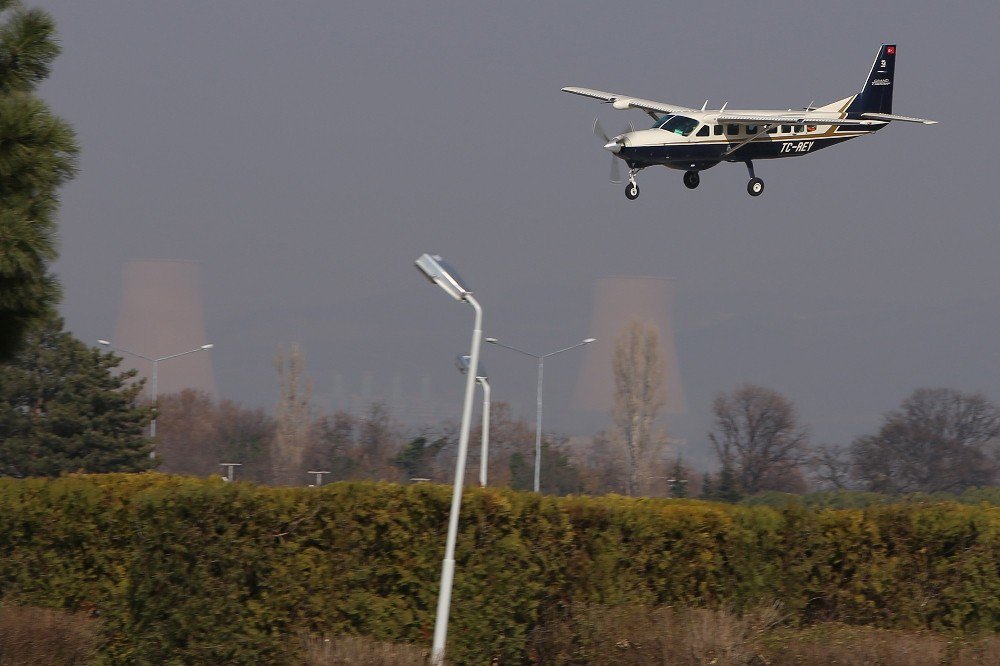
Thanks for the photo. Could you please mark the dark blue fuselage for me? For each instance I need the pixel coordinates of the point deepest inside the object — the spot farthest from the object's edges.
(698, 155)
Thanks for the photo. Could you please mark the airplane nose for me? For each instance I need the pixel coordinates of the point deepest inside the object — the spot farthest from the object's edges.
(613, 146)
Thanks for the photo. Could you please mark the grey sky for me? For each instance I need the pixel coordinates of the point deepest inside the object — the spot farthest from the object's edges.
(307, 152)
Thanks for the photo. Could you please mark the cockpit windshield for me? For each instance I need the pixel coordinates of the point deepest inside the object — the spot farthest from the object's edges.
(677, 124)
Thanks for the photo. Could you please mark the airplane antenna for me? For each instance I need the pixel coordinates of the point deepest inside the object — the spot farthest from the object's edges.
(810, 107)
(724, 105)
(705, 105)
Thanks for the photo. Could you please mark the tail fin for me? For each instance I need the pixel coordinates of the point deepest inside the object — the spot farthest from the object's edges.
(877, 94)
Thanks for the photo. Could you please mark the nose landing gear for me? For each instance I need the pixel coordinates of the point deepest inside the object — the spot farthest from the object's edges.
(756, 186)
(632, 189)
(691, 179)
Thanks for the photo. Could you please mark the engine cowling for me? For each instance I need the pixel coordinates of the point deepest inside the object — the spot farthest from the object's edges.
(622, 104)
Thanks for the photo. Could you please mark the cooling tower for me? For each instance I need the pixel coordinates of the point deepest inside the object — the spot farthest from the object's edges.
(617, 302)
(161, 313)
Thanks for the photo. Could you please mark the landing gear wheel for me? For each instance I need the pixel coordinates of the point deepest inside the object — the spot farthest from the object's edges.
(691, 179)
(755, 187)
(632, 191)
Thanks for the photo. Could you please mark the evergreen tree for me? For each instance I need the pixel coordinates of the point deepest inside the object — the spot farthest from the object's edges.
(728, 488)
(678, 480)
(559, 475)
(64, 409)
(37, 155)
(707, 487)
(522, 475)
(416, 459)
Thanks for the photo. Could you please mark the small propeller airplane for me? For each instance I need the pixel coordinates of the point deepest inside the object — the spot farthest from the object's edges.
(693, 140)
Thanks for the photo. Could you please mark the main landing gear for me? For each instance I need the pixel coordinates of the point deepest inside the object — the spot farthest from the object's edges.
(756, 186)
(691, 179)
(632, 189)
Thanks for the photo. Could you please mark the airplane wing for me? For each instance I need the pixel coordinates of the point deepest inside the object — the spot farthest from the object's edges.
(795, 119)
(620, 101)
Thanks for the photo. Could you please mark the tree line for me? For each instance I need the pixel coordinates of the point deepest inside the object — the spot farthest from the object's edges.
(66, 407)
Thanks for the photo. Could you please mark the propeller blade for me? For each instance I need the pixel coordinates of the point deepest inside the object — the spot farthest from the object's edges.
(599, 131)
(616, 172)
(631, 127)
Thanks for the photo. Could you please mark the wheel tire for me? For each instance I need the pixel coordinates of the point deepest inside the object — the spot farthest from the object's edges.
(632, 192)
(755, 187)
(691, 179)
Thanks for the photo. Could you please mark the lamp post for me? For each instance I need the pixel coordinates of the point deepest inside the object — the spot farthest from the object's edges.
(319, 476)
(463, 366)
(538, 416)
(156, 367)
(440, 273)
(229, 470)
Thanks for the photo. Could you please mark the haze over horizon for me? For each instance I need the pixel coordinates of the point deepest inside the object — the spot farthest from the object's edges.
(307, 153)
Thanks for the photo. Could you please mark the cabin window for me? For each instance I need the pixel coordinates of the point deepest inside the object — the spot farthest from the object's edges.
(785, 129)
(679, 125)
(717, 130)
(800, 128)
(704, 130)
(733, 129)
(810, 128)
(773, 129)
(751, 129)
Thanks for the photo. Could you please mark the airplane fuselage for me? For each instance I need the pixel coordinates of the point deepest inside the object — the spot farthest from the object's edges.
(710, 142)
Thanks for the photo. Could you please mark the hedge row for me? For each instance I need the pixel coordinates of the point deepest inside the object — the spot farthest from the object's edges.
(197, 571)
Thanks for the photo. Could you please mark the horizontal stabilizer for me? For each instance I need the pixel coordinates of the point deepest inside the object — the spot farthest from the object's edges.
(890, 116)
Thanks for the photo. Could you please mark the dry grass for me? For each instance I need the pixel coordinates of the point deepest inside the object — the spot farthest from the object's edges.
(643, 636)
(639, 635)
(984, 652)
(362, 651)
(854, 646)
(32, 636)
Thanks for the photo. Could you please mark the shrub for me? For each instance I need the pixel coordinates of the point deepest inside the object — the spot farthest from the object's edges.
(189, 570)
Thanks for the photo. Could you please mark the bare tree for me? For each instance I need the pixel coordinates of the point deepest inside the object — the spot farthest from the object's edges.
(757, 436)
(293, 416)
(831, 467)
(197, 433)
(939, 440)
(637, 365)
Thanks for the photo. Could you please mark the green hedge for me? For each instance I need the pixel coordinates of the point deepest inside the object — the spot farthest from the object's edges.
(198, 571)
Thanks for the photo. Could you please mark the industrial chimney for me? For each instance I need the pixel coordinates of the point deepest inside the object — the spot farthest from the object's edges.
(617, 302)
(161, 313)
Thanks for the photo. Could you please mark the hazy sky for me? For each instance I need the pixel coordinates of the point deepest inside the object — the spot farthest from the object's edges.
(307, 152)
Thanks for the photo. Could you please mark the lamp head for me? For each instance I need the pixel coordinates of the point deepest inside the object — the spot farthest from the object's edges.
(440, 273)
(462, 362)
(492, 341)
(208, 346)
(106, 343)
(589, 340)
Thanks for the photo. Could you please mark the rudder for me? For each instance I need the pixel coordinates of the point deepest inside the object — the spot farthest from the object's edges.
(876, 97)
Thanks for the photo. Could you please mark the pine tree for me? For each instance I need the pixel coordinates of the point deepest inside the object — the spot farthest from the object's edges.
(37, 154)
(678, 480)
(64, 409)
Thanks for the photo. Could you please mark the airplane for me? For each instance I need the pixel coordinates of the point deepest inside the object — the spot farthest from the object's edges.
(693, 140)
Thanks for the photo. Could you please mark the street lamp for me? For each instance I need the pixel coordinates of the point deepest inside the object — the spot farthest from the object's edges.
(156, 366)
(538, 416)
(229, 470)
(463, 366)
(440, 273)
(319, 476)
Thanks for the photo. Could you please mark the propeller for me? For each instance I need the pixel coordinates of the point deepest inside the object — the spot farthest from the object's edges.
(616, 174)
